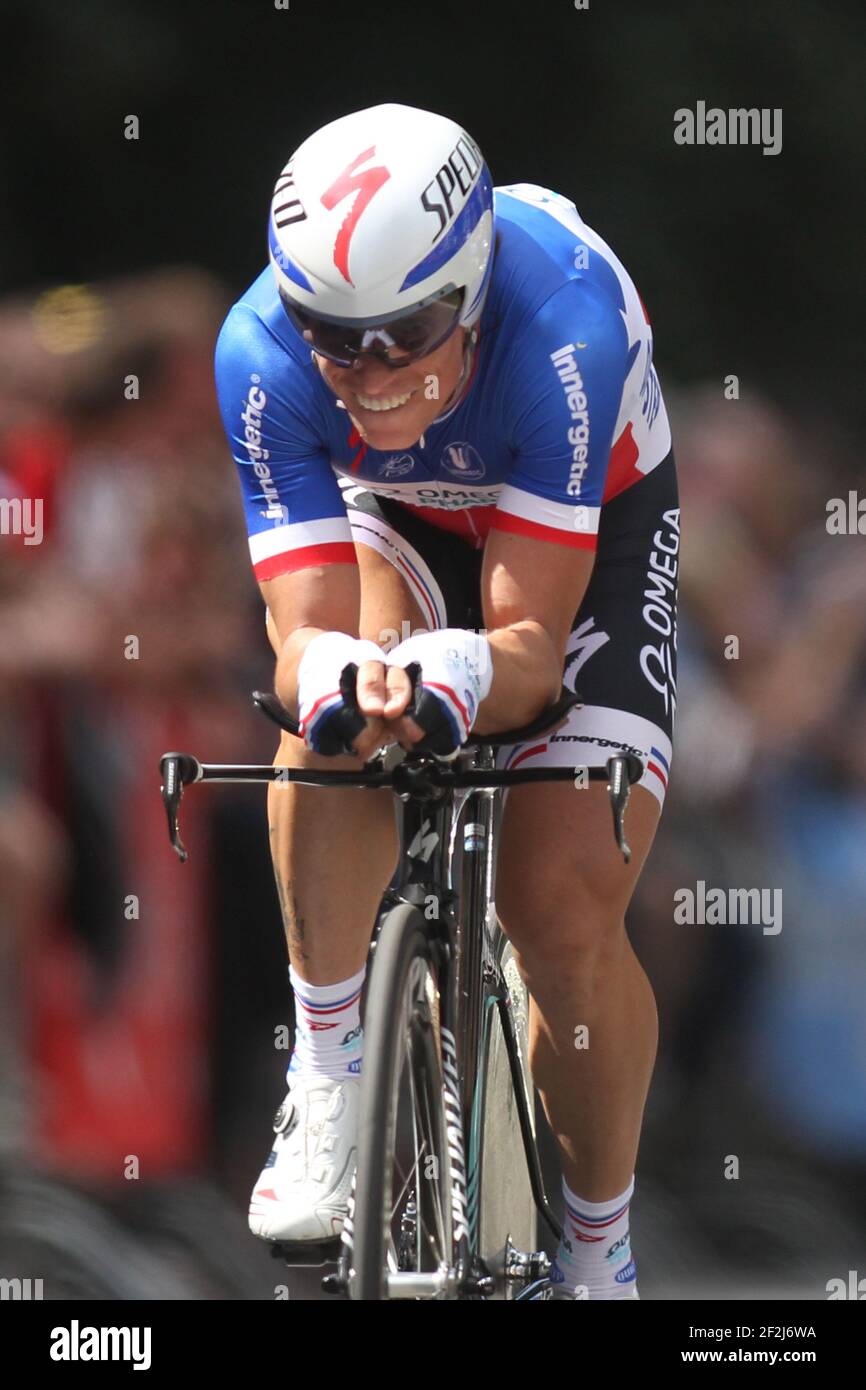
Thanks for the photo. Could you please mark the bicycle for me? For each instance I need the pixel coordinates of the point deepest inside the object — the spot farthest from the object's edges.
(448, 1187)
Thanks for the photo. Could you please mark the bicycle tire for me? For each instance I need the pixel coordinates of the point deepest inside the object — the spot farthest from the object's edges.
(392, 999)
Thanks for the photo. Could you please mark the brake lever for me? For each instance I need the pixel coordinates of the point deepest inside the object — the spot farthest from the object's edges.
(622, 770)
(178, 770)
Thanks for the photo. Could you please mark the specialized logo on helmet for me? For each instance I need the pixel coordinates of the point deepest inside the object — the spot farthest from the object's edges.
(366, 185)
(458, 171)
(289, 209)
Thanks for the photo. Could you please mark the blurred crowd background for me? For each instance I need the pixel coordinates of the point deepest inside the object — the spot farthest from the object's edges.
(139, 997)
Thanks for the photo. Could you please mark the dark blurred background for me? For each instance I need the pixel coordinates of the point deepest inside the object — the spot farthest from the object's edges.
(138, 998)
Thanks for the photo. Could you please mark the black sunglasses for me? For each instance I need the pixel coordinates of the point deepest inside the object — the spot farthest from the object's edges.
(397, 341)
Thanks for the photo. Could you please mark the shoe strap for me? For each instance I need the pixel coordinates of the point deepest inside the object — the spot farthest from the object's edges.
(284, 1114)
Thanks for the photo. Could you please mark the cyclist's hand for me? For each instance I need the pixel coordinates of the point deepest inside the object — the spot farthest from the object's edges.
(382, 693)
(330, 721)
(454, 671)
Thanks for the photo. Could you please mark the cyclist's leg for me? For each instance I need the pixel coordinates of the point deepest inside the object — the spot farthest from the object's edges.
(563, 887)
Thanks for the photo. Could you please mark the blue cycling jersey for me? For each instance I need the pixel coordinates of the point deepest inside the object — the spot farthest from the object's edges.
(562, 411)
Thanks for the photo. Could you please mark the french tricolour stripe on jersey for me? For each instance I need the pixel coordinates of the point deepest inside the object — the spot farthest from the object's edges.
(284, 548)
(420, 588)
(368, 529)
(520, 753)
(527, 515)
(658, 764)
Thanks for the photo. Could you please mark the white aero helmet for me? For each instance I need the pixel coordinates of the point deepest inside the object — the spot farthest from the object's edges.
(379, 214)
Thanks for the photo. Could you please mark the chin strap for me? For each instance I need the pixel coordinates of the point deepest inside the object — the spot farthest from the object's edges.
(468, 360)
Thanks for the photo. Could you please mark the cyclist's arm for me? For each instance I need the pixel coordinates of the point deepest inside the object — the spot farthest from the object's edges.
(531, 591)
(323, 598)
(561, 405)
(300, 539)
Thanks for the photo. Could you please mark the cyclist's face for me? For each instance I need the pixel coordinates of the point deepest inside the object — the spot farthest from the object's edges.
(412, 396)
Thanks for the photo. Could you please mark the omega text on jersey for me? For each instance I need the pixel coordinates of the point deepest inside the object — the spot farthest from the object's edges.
(659, 611)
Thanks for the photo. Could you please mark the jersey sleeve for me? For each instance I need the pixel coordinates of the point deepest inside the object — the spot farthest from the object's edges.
(294, 510)
(561, 402)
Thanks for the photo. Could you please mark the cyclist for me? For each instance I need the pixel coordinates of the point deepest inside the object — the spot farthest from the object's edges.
(441, 400)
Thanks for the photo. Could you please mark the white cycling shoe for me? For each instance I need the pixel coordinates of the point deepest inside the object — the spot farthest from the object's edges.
(303, 1190)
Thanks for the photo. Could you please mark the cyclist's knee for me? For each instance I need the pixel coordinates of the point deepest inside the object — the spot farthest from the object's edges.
(555, 922)
(550, 897)
(562, 884)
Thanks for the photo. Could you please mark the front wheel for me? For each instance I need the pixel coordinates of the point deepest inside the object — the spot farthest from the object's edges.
(403, 1215)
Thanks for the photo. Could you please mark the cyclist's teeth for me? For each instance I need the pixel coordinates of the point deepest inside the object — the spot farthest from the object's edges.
(382, 402)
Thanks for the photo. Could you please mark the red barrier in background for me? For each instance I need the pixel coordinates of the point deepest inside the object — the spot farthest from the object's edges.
(130, 1077)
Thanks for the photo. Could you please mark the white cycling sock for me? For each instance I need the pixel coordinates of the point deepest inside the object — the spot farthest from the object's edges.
(328, 1037)
(594, 1257)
